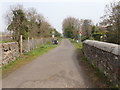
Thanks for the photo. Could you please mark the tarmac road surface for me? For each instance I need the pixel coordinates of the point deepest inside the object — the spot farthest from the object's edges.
(57, 68)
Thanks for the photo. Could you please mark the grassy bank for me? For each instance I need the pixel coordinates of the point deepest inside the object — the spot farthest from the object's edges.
(76, 45)
(26, 58)
(95, 74)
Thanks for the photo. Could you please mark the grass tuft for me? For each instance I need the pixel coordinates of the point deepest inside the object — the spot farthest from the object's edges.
(76, 45)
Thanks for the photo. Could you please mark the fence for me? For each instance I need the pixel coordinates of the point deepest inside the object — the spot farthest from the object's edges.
(5, 38)
(28, 45)
(11, 50)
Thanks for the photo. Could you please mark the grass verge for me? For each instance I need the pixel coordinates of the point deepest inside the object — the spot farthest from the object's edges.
(59, 39)
(94, 73)
(76, 45)
(25, 58)
(6, 41)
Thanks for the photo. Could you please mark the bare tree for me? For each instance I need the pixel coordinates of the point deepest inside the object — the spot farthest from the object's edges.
(71, 27)
(17, 22)
(87, 28)
(38, 27)
(111, 20)
(27, 23)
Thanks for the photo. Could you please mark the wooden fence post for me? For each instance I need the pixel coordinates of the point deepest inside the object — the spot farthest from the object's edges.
(21, 44)
(32, 44)
(28, 44)
(42, 40)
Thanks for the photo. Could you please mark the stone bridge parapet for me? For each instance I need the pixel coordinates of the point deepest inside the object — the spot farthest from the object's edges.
(104, 56)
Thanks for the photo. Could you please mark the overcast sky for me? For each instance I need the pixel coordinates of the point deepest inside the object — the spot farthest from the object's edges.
(55, 11)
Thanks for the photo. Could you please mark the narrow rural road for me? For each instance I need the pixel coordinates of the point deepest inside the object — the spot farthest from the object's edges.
(57, 68)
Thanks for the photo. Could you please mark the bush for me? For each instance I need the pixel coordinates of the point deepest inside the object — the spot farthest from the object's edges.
(97, 36)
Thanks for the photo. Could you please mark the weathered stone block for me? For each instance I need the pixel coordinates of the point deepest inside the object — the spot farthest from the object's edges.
(105, 56)
(9, 52)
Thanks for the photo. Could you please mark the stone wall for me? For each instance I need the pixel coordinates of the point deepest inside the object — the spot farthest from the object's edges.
(11, 50)
(104, 56)
(5, 38)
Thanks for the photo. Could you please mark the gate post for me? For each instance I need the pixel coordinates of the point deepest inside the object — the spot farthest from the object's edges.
(21, 44)
(28, 44)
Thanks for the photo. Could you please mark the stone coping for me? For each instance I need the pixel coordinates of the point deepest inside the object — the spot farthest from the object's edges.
(109, 47)
(10, 42)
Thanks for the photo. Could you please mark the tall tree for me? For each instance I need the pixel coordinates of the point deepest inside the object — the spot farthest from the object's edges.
(87, 28)
(18, 23)
(71, 27)
(111, 20)
(27, 23)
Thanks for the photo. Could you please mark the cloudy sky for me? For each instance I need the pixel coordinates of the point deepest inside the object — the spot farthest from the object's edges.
(55, 11)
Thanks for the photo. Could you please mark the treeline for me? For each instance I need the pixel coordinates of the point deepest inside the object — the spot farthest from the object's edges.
(28, 23)
(72, 27)
(111, 22)
(108, 29)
